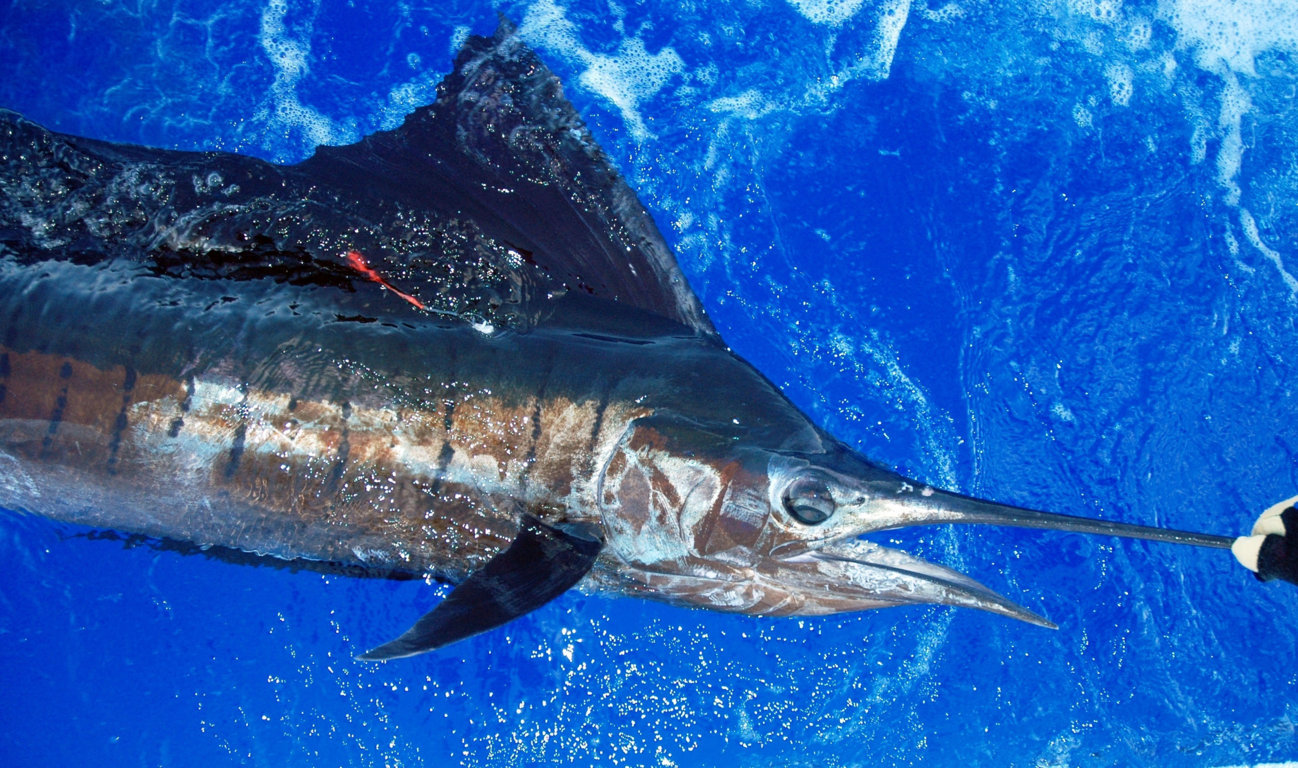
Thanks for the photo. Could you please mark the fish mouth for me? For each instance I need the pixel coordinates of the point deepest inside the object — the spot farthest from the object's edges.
(841, 572)
(856, 574)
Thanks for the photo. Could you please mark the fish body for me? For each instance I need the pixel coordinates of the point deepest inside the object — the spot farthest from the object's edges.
(460, 350)
(254, 425)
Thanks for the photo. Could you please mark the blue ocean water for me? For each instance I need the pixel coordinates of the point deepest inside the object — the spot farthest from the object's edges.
(1044, 254)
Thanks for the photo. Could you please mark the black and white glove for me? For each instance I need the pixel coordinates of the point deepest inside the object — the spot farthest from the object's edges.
(1269, 552)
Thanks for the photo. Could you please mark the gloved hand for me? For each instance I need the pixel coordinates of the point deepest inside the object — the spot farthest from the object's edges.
(1269, 552)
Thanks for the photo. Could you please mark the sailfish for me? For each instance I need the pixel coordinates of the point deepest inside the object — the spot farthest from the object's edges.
(457, 350)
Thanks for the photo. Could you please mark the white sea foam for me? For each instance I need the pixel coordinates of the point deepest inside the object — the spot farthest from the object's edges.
(629, 76)
(873, 62)
(625, 78)
(1082, 116)
(749, 105)
(458, 38)
(829, 12)
(892, 19)
(405, 98)
(633, 74)
(289, 51)
(944, 15)
(1141, 55)
(1254, 239)
(1226, 39)
(1120, 83)
(1103, 11)
(1231, 34)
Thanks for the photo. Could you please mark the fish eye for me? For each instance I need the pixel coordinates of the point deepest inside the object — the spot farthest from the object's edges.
(807, 500)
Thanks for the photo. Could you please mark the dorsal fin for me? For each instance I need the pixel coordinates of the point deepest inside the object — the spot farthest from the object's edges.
(502, 147)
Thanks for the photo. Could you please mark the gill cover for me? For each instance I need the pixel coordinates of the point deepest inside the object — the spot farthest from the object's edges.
(676, 494)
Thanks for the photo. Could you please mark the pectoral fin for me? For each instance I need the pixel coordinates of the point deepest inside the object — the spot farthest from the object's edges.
(539, 565)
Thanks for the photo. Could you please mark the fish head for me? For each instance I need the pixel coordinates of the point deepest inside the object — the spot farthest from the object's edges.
(704, 515)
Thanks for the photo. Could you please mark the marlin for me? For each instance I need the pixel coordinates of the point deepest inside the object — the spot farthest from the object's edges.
(457, 350)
